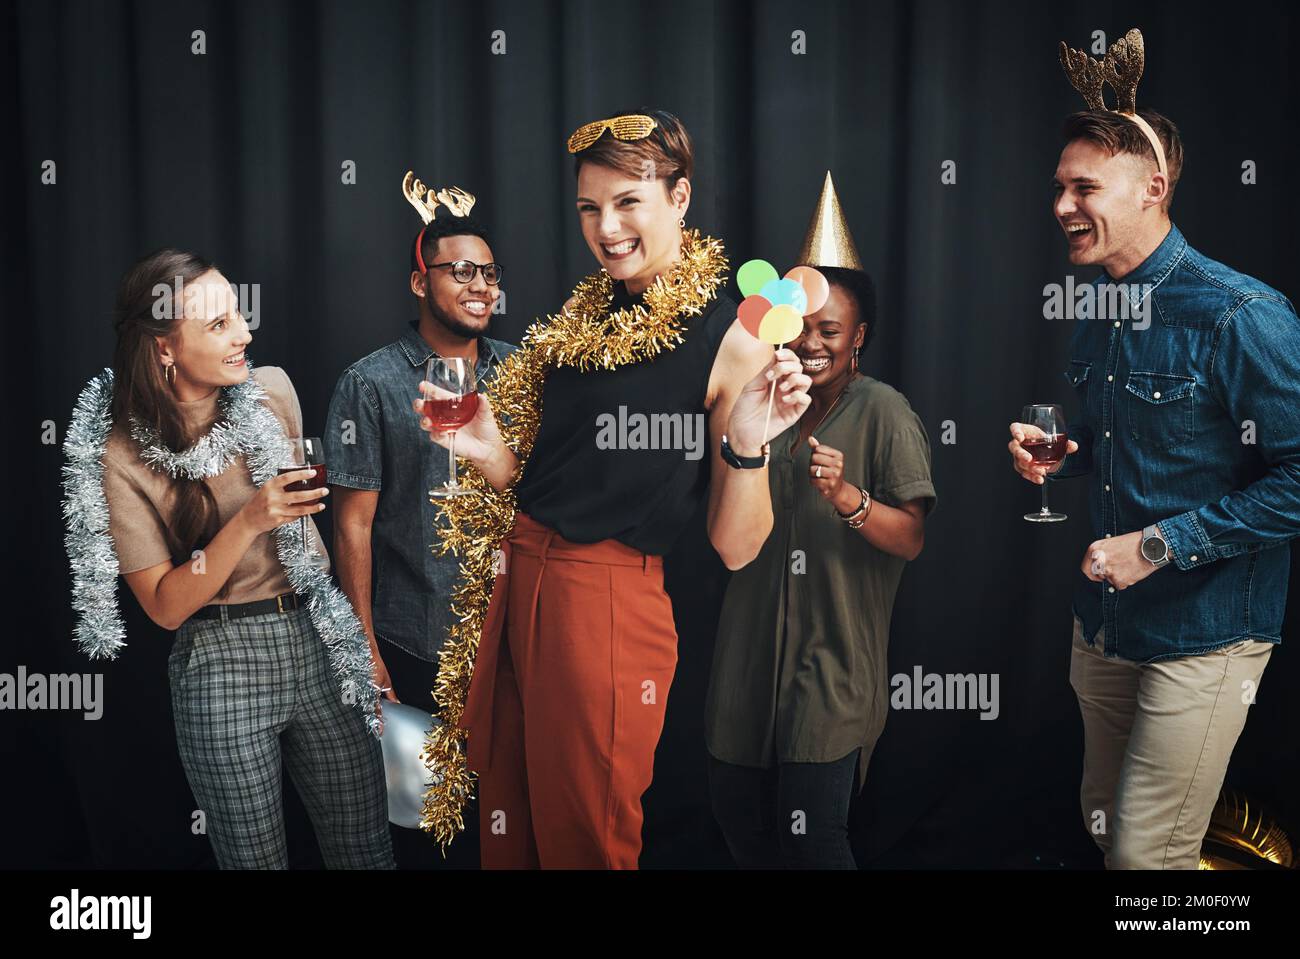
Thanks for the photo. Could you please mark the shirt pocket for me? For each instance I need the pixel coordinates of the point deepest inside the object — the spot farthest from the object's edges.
(1161, 408)
(1077, 376)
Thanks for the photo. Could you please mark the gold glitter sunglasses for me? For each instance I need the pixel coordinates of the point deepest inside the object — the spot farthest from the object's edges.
(630, 126)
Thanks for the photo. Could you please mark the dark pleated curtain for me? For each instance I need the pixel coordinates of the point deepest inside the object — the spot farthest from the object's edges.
(239, 154)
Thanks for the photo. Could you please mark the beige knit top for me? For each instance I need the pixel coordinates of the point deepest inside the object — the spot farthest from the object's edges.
(140, 500)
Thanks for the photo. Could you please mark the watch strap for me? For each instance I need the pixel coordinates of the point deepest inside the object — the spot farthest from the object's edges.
(736, 461)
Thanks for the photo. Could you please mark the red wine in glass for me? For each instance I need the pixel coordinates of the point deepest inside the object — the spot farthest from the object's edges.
(1046, 441)
(450, 414)
(309, 453)
(1047, 451)
(311, 483)
(450, 401)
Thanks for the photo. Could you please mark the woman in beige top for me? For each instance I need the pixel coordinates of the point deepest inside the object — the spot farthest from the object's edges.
(252, 684)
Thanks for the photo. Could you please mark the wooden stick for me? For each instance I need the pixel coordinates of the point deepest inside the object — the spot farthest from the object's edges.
(771, 395)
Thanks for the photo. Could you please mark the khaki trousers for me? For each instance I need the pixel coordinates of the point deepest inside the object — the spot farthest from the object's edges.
(1156, 743)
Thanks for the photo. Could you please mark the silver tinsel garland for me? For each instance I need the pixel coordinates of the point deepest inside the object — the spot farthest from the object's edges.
(247, 427)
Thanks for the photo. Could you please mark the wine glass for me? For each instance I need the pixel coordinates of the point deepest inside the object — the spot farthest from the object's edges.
(450, 402)
(306, 451)
(1047, 448)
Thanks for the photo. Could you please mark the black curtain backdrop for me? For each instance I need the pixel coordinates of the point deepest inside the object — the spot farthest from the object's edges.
(238, 154)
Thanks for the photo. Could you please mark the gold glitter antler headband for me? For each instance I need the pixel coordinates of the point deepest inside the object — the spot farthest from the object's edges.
(1122, 69)
(629, 126)
(426, 200)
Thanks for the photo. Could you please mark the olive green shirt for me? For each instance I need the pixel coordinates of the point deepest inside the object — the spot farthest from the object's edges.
(800, 669)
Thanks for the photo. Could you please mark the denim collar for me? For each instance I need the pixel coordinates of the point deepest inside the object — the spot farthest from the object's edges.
(417, 351)
(1157, 267)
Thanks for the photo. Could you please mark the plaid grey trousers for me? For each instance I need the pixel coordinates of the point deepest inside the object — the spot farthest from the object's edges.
(248, 693)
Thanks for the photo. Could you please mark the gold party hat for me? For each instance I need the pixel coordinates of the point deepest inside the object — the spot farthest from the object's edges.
(829, 242)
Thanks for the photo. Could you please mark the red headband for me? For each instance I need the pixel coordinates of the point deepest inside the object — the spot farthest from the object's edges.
(419, 252)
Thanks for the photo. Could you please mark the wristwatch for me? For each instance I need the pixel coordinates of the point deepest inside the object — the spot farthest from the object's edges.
(744, 462)
(1154, 548)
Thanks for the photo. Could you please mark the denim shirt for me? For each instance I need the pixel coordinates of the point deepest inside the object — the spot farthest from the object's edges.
(384, 449)
(1192, 423)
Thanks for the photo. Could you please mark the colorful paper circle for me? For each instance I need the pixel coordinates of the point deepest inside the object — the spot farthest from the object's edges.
(815, 286)
(782, 324)
(753, 275)
(786, 292)
(752, 310)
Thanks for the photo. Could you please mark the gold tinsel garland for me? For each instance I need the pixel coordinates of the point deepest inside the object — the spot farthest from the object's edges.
(585, 336)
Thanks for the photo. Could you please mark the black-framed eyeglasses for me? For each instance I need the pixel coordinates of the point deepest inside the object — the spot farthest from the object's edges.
(463, 271)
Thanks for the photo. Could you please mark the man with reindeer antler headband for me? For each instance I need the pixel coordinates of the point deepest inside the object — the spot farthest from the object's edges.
(381, 466)
(1190, 437)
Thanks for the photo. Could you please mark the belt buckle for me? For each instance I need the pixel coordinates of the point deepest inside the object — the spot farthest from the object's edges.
(279, 603)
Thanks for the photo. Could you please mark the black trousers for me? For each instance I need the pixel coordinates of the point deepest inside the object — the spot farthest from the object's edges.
(791, 816)
(412, 679)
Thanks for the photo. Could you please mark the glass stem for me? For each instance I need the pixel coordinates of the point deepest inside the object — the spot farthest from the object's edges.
(1045, 509)
(451, 460)
(302, 523)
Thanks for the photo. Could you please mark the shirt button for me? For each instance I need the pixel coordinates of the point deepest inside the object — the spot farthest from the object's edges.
(1156, 395)
(1108, 434)
(1110, 379)
(1108, 535)
(1117, 324)
(1108, 488)
(1111, 589)
(1193, 557)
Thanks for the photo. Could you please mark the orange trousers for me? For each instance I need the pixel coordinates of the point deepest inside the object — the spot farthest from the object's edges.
(567, 701)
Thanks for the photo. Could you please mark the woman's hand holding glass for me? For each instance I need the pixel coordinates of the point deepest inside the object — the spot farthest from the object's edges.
(477, 441)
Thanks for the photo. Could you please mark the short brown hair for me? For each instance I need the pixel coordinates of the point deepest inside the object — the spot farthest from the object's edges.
(667, 153)
(1115, 133)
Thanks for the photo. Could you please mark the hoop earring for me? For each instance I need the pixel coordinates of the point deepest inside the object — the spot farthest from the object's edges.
(169, 374)
(682, 223)
(855, 361)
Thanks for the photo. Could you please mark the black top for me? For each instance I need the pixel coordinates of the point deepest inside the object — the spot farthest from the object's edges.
(607, 462)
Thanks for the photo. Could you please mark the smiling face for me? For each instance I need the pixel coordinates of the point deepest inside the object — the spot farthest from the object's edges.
(830, 338)
(463, 308)
(207, 343)
(631, 226)
(1105, 205)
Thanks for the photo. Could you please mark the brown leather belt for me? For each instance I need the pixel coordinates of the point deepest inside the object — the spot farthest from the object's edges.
(283, 603)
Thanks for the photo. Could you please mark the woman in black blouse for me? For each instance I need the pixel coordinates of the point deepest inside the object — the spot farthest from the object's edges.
(579, 646)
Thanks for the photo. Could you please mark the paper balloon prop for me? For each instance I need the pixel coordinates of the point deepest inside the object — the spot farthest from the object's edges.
(752, 310)
(408, 778)
(782, 324)
(754, 275)
(815, 287)
(774, 307)
(787, 293)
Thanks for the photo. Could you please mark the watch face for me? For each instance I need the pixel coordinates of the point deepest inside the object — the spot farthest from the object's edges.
(1154, 549)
